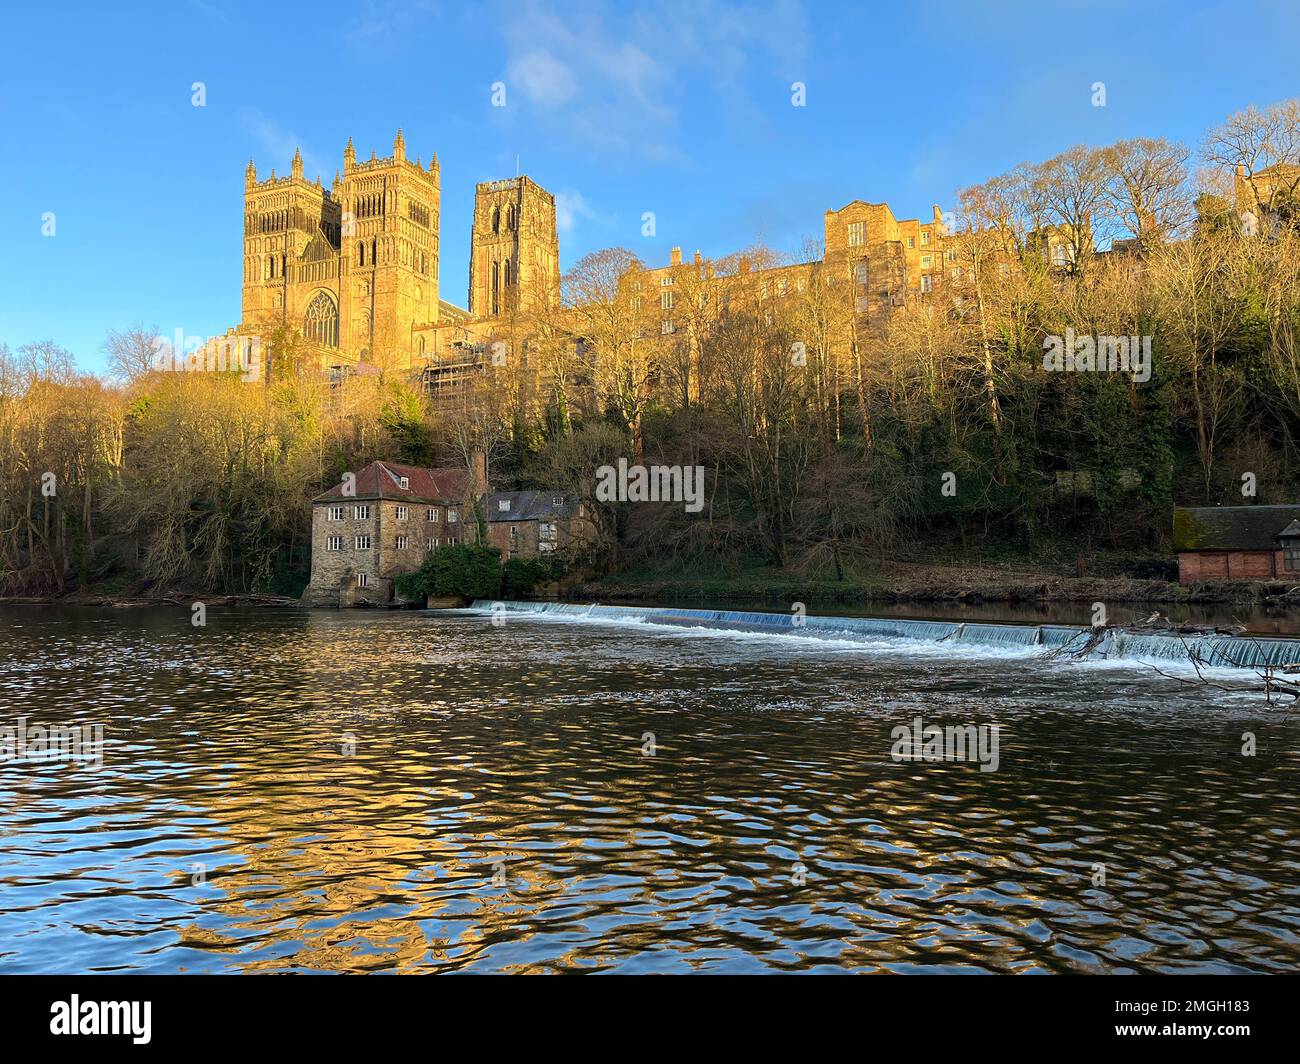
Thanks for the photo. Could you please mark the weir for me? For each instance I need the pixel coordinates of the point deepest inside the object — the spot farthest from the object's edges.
(1220, 651)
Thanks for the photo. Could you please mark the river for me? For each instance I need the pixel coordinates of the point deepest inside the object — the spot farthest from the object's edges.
(357, 791)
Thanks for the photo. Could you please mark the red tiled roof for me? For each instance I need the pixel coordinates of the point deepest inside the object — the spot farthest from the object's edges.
(382, 480)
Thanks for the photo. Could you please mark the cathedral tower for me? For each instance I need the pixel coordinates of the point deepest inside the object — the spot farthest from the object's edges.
(514, 262)
(287, 220)
(388, 254)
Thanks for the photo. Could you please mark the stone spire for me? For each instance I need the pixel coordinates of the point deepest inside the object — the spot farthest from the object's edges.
(349, 156)
(250, 174)
(399, 146)
(296, 167)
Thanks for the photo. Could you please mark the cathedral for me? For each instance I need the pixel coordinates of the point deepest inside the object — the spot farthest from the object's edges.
(354, 268)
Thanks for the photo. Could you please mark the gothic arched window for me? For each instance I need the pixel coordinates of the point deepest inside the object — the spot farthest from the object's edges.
(322, 320)
(496, 219)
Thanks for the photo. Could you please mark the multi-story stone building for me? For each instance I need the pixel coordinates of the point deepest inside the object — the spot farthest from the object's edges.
(382, 522)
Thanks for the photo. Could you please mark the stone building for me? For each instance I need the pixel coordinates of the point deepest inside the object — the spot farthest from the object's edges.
(528, 524)
(384, 522)
(353, 267)
(1237, 543)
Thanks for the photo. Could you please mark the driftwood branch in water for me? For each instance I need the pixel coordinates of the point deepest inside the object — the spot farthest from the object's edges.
(1270, 680)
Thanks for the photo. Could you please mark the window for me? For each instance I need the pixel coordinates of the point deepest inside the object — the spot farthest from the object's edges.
(860, 273)
(857, 234)
(321, 322)
(361, 513)
(1291, 554)
(334, 543)
(503, 505)
(952, 254)
(433, 513)
(927, 261)
(336, 513)
(452, 541)
(925, 239)
(452, 515)
(403, 511)
(402, 542)
(545, 547)
(363, 579)
(434, 543)
(362, 543)
(911, 241)
(666, 281)
(546, 530)
(405, 484)
(956, 274)
(557, 500)
(514, 533)
(927, 284)
(666, 300)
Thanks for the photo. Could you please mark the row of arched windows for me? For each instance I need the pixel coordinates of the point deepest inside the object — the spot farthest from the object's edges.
(273, 222)
(371, 206)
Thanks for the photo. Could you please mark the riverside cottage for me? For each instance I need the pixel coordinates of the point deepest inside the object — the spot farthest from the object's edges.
(1237, 543)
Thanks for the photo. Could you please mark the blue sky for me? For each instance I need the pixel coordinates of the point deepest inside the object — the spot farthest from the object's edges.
(680, 107)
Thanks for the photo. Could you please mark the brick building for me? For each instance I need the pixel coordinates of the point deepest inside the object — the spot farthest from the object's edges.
(364, 533)
(526, 524)
(1237, 543)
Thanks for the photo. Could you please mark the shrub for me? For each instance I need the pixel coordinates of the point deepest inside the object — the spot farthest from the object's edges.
(467, 570)
(520, 575)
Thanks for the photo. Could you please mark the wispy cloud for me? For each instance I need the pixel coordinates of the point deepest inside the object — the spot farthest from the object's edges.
(620, 83)
(277, 146)
(383, 27)
(570, 208)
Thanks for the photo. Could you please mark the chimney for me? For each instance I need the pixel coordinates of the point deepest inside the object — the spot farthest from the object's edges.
(675, 258)
(697, 256)
(478, 472)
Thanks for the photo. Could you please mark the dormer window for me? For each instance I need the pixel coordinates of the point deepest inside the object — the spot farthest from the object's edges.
(405, 482)
(503, 505)
(1289, 537)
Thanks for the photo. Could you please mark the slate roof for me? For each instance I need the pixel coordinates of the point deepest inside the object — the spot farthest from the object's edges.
(1231, 527)
(531, 505)
(382, 480)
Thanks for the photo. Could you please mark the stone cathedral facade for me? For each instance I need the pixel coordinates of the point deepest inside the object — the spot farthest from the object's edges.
(354, 267)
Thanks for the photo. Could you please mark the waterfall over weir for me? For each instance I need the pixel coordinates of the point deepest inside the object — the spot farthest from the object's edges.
(1220, 651)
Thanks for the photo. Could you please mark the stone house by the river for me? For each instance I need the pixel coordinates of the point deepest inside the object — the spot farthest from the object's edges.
(365, 532)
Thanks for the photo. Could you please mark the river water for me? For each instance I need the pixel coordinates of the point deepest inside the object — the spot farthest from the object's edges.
(376, 791)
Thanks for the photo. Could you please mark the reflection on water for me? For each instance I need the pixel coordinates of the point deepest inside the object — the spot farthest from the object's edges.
(498, 813)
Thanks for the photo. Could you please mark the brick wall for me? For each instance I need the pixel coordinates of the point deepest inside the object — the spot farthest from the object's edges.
(1196, 567)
